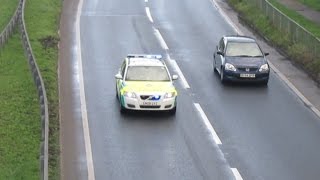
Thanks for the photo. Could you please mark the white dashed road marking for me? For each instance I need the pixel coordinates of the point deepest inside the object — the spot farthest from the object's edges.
(180, 74)
(149, 14)
(208, 124)
(236, 174)
(161, 40)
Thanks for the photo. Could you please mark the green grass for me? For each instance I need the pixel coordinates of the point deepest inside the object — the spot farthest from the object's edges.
(314, 4)
(20, 128)
(301, 20)
(7, 8)
(297, 52)
(261, 22)
(42, 23)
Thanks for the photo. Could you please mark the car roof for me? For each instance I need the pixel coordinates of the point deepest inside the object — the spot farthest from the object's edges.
(145, 62)
(238, 38)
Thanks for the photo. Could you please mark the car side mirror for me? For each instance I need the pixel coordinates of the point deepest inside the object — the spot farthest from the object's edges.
(174, 77)
(220, 53)
(266, 54)
(118, 76)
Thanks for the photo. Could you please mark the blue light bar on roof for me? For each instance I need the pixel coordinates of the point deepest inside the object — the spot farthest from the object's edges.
(150, 56)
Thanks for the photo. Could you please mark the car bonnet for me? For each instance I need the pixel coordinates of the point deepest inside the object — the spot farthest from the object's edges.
(147, 86)
(246, 61)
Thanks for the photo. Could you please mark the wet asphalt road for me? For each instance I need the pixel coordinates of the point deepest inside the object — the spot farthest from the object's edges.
(266, 132)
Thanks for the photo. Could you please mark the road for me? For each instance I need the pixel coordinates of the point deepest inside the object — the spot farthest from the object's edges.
(219, 132)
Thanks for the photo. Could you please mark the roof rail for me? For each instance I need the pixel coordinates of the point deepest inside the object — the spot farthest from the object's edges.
(150, 56)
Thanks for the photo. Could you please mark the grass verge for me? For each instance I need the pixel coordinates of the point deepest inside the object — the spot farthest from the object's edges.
(314, 4)
(7, 8)
(309, 25)
(297, 52)
(20, 128)
(43, 34)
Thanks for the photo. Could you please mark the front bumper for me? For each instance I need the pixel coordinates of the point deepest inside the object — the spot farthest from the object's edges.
(149, 105)
(235, 76)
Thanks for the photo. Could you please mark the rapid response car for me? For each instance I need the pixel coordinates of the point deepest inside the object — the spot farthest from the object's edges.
(144, 83)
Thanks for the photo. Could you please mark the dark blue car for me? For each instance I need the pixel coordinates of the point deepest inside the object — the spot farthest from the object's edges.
(239, 58)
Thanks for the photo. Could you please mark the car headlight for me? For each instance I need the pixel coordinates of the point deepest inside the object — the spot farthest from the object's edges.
(169, 95)
(264, 68)
(229, 67)
(130, 94)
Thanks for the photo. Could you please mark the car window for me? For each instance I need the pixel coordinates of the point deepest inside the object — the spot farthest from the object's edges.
(243, 49)
(221, 45)
(147, 73)
(123, 68)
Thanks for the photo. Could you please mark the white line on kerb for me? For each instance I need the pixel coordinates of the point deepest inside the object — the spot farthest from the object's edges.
(149, 14)
(208, 124)
(84, 114)
(236, 174)
(160, 38)
(178, 70)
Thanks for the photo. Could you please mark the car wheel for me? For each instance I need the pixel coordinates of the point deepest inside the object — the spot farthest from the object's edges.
(122, 109)
(222, 77)
(173, 111)
(265, 82)
(117, 92)
(214, 66)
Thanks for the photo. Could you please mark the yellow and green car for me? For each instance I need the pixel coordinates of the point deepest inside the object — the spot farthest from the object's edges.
(144, 83)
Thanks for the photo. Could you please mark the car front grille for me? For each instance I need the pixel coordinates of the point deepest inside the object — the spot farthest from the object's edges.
(151, 107)
(144, 97)
(248, 69)
(150, 97)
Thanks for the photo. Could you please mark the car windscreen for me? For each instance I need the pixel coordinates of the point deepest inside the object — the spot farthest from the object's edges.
(147, 73)
(250, 49)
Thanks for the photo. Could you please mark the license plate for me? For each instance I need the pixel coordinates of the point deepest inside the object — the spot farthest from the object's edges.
(148, 103)
(247, 75)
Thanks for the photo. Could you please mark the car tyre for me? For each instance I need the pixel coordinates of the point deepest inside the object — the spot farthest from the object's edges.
(173, 111)
(214, 66)
(117, 92)
(222, 76)
(123, 110)
(265, 82)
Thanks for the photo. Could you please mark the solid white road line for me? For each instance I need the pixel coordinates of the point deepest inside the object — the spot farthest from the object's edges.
(178, 70)
(208, 124)
(149, 14)
(160, 38)
(85, 124)
(294, 89)
(236, 174)
(225, 16)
